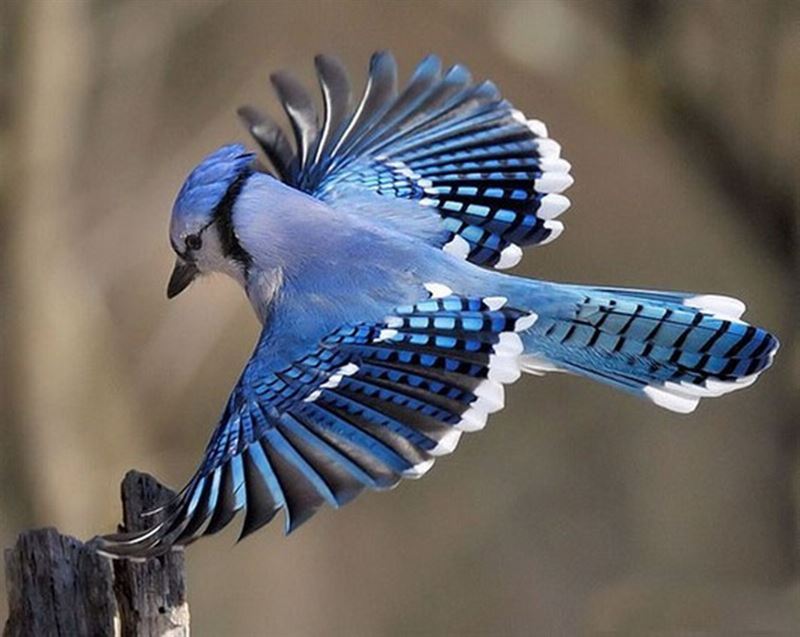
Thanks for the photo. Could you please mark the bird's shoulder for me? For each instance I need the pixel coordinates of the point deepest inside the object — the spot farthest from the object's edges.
(301, 316)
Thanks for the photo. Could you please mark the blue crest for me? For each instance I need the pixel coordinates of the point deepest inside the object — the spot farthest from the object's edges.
(206, 185)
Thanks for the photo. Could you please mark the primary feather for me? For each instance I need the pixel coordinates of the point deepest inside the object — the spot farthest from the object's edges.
(447, 144)
(384, 340)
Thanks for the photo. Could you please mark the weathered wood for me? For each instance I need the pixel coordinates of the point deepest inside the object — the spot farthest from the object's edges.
(152, 594)
(58, 585)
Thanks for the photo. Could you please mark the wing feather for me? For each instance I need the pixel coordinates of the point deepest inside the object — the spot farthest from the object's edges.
(372, 404)
(380, 90)
(301, 112)
(449, 144)
(272, 140)
(336, 93)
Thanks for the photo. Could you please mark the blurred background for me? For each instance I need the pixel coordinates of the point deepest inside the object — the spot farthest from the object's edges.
(579, 510)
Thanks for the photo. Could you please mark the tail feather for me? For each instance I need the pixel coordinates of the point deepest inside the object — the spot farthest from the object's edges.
(671, 348)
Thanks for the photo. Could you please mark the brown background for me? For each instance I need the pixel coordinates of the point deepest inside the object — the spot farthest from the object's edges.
(578, 510)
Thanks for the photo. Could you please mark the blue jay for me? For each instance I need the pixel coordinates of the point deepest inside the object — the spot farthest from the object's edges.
(371, 254)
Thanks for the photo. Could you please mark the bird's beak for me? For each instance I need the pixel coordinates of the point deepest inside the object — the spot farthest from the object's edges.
(182, 275)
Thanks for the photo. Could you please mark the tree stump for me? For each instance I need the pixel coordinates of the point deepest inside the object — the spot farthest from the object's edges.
(58, 585)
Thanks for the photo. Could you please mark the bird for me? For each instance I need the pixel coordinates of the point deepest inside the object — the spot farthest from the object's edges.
(373, 244)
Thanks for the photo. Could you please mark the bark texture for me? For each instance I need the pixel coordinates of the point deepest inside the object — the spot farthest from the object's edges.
(58, 585)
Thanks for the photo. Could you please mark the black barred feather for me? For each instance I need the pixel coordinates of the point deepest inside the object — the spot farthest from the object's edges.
(445, 142)
(673, 348)
(373, 404)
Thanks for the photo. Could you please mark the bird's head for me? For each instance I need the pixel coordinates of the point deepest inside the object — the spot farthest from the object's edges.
(201, 229)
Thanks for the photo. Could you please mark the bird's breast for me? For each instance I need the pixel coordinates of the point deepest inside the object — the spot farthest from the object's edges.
(262, 288)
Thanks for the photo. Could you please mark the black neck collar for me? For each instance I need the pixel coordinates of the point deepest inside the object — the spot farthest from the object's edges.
(223, 219)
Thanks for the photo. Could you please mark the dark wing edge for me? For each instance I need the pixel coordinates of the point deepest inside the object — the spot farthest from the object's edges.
(444, 141)
(373, 404)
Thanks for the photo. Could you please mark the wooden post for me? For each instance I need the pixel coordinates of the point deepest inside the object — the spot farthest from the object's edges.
(151, 595)
(58, 585)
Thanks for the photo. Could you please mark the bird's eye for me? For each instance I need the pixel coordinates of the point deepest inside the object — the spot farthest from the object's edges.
(194, 242)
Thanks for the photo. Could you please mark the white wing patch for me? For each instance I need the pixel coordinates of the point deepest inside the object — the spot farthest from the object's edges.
(722, 307)
(438, 290)
(509, 257)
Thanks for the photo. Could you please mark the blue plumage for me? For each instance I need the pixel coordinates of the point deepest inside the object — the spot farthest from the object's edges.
(654, 344)
(385, 335)
(207, 184)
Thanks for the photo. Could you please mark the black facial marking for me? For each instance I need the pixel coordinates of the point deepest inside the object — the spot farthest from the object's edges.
(223, 217)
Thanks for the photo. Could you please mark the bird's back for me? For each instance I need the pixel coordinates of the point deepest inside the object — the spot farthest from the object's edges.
(316, 267)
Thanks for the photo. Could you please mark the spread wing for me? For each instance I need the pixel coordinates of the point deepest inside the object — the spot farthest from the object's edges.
(452, 146)
(372, 404)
